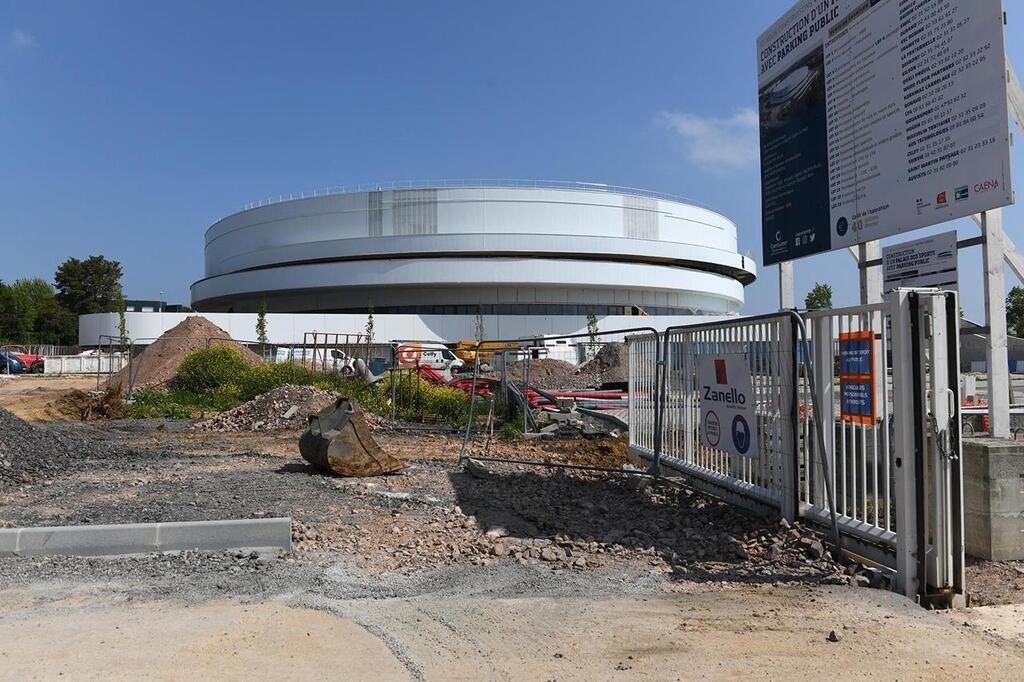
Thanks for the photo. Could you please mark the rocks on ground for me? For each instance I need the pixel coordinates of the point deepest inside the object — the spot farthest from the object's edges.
(572, 521)
(30, 453)
(158, 363)
(285, 407)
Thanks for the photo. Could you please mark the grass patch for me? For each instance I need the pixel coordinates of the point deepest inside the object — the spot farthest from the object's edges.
(178, 404)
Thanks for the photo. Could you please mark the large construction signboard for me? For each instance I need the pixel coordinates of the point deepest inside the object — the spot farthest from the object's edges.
(879, 117)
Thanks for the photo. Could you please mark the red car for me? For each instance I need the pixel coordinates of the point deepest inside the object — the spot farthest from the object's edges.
(33, 361)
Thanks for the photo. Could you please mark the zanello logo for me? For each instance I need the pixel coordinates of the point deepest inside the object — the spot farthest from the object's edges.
(730, 395)
(961, 193)
(986, 186)
(940, 199)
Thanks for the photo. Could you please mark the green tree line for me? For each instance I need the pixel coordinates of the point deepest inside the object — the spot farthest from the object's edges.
(37, 311)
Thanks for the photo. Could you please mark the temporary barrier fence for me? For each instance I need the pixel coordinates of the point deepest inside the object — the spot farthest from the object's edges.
(527, 353)
(831, 446)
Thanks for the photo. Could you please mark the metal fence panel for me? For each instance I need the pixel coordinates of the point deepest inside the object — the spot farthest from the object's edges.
(857, 448)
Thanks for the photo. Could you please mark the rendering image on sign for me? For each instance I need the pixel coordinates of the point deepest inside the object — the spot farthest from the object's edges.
(727, 417)
(857, 377)
(928, 262)
(878, 117)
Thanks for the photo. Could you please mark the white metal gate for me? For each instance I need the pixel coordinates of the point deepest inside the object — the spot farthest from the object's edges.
(858, 426)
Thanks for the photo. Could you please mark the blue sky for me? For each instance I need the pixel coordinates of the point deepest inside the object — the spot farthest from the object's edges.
(127, 128)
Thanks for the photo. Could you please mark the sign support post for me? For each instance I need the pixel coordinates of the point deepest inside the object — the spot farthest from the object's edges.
(787, 296)
(995, 319)
(870, 275)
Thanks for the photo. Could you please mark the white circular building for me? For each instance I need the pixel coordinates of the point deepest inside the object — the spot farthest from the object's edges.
(468, 247)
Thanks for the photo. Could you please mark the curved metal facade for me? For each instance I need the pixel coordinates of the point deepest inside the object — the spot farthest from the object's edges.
(499, 250)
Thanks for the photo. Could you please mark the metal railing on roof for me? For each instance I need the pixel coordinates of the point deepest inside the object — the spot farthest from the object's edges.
(475, 183)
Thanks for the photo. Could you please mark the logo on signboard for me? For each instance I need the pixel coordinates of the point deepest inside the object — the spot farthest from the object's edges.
(721, 373)
(740, 434)
(842, 225)
(986, 186)
(940, 200)
(712, 429)
(961, 193)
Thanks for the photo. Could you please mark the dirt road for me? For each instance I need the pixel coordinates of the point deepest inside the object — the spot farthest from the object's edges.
(29, 395)
(513, 573)
(771, 633)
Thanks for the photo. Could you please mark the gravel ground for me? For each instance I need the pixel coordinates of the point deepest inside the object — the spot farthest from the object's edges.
(431, 519)
(480, 566)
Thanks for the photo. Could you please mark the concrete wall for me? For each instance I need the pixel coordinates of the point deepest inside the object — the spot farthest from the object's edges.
(288, 328)
(994, 499)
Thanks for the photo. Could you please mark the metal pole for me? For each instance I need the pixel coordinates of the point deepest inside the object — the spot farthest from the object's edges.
(995, 319)
(787, 297)
(871, 276)
(463, 456)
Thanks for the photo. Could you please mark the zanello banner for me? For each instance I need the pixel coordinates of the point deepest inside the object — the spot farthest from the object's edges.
(727, 404)
(878, 117)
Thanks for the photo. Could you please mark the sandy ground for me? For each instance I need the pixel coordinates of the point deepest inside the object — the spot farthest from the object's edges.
(338, 607)
(29, 395)
(767, 633)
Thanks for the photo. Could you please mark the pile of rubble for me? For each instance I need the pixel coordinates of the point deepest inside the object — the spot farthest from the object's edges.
(30, 453)
(285, 407)
(158, 364)
(91, 405)
(610, 365)
(548, 373)
(571, 521)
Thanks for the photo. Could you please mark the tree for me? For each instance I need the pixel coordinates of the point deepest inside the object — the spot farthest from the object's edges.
(122, 321)
(369, 324)
(592, 327)
(1015, 311)
(89, 286)
(16, 314)
(261, 322)
(820, 296)
(480, 331)
(55, 324)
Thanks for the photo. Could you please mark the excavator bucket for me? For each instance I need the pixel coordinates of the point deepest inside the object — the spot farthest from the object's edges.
(338, 440)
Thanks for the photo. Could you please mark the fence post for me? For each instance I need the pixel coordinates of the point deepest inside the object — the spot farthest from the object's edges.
(821, 339)
(789, 418)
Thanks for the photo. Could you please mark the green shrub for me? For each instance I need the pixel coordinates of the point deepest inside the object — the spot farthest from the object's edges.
(257, 380)
(209, 369)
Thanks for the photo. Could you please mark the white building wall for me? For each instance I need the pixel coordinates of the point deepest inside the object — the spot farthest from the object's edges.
(288, 328)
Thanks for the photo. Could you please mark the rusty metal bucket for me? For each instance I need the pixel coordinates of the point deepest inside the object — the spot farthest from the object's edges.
(338, 440)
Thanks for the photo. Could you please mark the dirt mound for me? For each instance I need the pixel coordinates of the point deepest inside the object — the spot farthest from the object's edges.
(159, 362)
(611, 364)
(267, 412)
(28, 452)
(92, 405)
(550, 374)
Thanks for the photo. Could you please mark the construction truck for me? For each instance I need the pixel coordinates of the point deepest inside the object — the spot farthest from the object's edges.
(489, 352)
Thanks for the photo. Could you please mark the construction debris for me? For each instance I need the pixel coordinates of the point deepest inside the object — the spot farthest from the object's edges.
(285, 407)
(610, 365)
(338, 440)
(91, 405)
(158, 364)
(547, 373)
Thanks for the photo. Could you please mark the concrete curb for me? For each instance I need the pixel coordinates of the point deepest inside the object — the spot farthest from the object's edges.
(139, 538)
